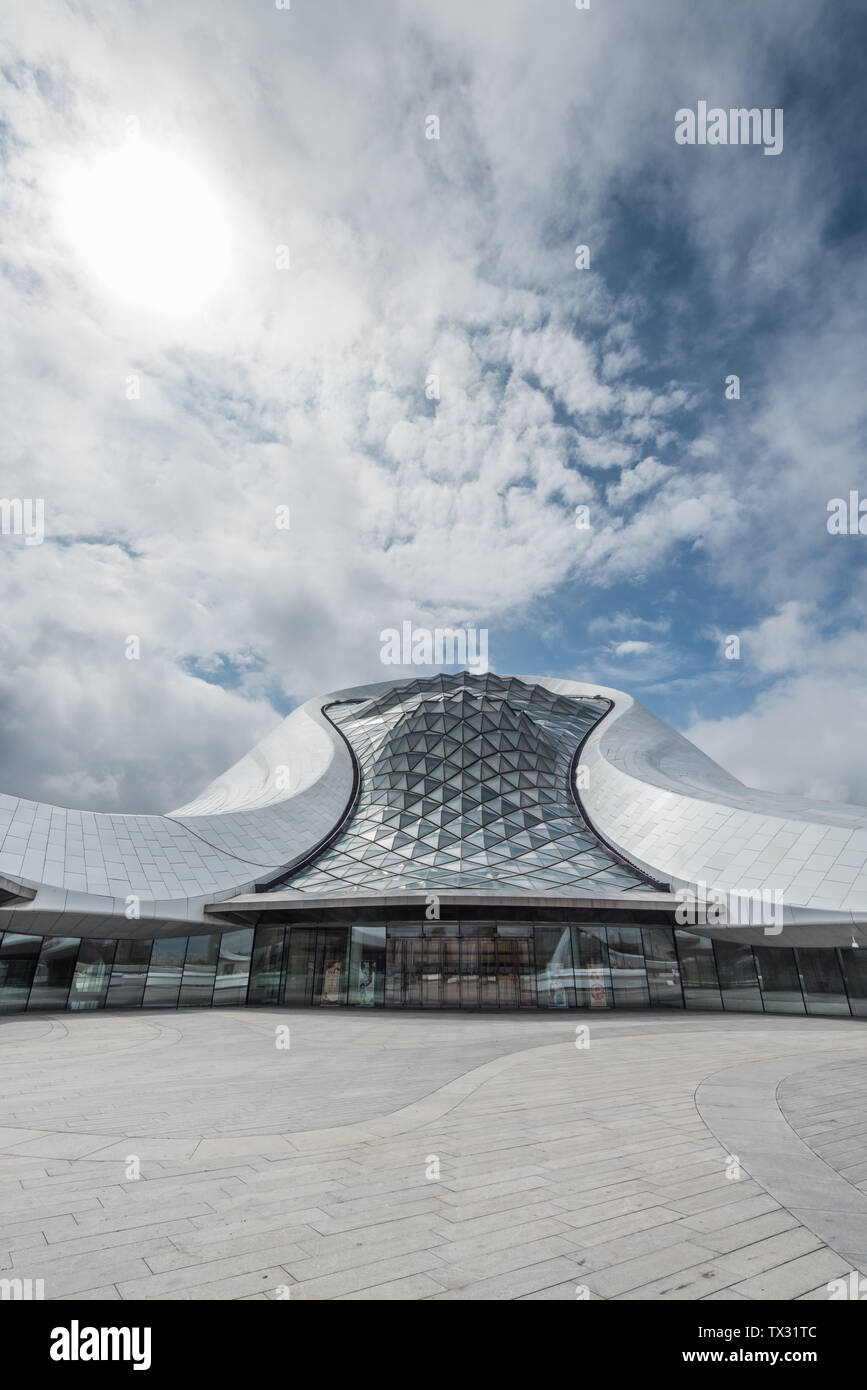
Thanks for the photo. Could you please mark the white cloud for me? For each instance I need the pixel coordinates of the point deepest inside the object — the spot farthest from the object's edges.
(802, 731)
(634, 481)
(801, 737)
(306, 387)
(631, 648)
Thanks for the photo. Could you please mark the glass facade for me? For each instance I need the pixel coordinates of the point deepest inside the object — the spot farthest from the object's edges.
(484, 965)
(466, 783)
(129, 973)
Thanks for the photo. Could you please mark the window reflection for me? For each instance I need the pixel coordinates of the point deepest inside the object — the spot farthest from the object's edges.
(367, 967)
(555, 980)
(739, 982)
(779, 980)
(129, 972)
(18, 957)
(164, 973)
(626, 961)
(822, 981)
(233, 967)
(854, 965)
(267, 965)
(697, 971)
(593, 988)
(663, 968)
(54, 971)
(200, 970)
(92, 971)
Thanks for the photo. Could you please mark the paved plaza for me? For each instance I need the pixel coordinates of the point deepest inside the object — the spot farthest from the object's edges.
(432, 1156)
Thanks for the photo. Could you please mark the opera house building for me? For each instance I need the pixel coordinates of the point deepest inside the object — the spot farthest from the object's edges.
(453, 842)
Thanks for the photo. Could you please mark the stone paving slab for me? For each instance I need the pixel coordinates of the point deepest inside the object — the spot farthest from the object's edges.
(797, 1172)
(430, 1157)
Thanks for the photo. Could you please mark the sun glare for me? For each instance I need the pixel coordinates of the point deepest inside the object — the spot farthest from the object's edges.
(148, 226)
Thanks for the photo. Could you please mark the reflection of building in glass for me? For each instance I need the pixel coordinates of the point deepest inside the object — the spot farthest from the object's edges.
(461, 841)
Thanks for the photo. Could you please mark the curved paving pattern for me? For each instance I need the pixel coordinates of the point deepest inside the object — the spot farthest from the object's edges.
(559, 1167)
(742, 1107)
(237, 1078)
(827, 1107)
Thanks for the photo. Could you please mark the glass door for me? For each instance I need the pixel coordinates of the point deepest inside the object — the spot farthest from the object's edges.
(300, 965)
(526, 973)
(507, 972)
(432, 973)
(413, 948)
(404, 971)
(451, 973)
(331, 967)
(488, 992)
(469, 973)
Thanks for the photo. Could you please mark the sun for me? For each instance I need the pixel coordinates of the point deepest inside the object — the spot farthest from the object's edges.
(148, 226)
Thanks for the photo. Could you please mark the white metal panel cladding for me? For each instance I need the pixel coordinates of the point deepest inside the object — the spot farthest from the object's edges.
(649, 795)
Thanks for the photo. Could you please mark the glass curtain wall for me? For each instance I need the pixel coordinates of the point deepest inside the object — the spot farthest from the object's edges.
(331, 974)
(436, 965)
(738, 977)
(593, 988)
(18, 957)
(555, 976)
(129, 973)
(663, 968)
(628, 972)
(54, 971)
(233, 968)
(779, 980)
(266, 968)
(165, 972)
(697, 971)
(92, 973)
(300, 966)
(200, 972)
(854, 965)
(822, 982)
(366, 967)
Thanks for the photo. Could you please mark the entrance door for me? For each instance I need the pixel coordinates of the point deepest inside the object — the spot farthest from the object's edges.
(331, 967)
(507, 972)
(526, 972)
(469, 972)
(451, 973)
(488, 965)
(403, 972)
(431, 987)
(300, 965)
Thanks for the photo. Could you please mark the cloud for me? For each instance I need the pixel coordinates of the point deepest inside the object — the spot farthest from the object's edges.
(634, 481)
(800, 731)
(631, 648)
(799, 738)
(413, 262)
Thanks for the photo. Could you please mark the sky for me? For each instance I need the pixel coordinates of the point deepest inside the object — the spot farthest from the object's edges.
(238, 276)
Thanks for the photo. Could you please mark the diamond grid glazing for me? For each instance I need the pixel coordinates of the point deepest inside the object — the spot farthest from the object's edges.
(465, 785)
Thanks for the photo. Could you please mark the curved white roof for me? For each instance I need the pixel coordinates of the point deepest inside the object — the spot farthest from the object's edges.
(272, 807)
(651, 794)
